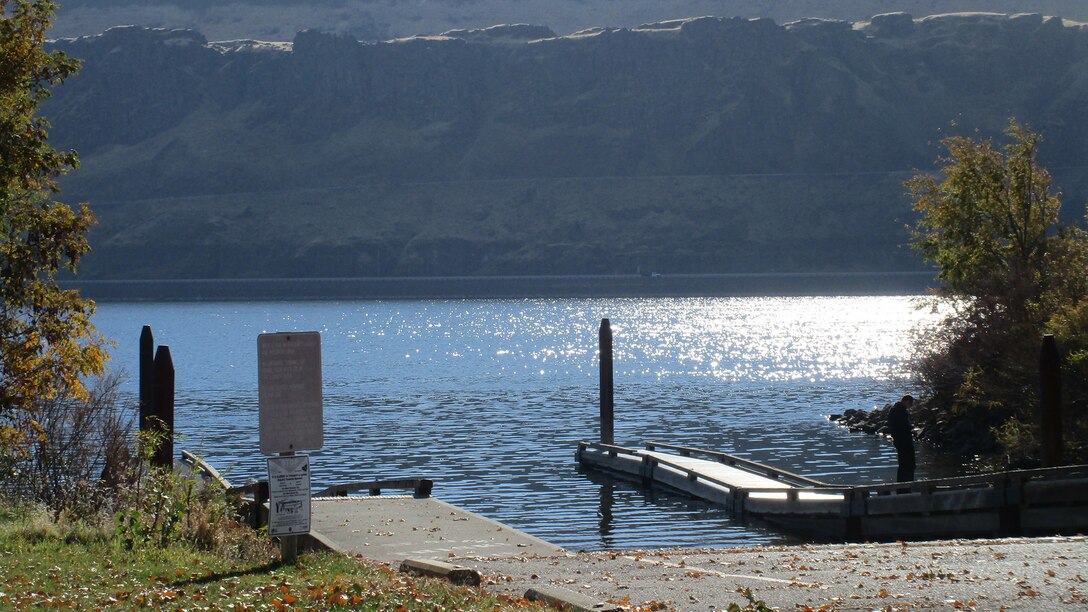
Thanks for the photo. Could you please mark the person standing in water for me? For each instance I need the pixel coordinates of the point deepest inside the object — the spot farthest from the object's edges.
(900, 430)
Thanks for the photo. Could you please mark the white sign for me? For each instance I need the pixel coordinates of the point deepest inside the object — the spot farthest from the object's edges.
(288, 495)
(289, 392)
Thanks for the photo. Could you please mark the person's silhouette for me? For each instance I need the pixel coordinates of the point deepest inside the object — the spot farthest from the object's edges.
(900, 430)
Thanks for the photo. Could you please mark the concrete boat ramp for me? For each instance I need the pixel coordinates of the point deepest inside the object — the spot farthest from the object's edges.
(426, 536)
(420, 534)
(416, 533)
(397, 527)
(429, 537)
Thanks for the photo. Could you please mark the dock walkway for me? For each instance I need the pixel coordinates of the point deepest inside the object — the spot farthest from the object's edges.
(731, 473)
(721, 478)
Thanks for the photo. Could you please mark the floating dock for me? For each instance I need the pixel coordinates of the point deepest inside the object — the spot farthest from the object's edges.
(1028, 502)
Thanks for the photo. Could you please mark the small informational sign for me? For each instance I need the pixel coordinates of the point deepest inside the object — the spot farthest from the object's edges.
(288, 495)
(289, 392)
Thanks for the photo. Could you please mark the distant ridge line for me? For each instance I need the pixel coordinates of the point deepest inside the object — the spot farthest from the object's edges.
(510, 287)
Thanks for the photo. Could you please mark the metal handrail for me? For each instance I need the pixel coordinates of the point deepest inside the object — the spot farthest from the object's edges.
(421, 487)
(205, 469)
(828, 490)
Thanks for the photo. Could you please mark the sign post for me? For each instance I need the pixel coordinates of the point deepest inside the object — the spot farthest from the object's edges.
(291, 420)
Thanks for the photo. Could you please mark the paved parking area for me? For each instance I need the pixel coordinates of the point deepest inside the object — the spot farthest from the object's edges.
(1009, 574)
(1014, 574)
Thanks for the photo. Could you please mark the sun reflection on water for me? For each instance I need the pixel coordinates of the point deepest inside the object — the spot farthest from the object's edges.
(773, 339)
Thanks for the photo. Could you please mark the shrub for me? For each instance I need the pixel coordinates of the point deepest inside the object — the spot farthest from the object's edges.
(79, 457)
(163, 506)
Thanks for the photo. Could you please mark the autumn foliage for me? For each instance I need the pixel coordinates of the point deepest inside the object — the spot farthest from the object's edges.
(48, 345)
(1011, 273)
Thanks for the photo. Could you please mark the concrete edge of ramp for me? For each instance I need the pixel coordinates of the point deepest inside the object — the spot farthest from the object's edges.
(569, 600)
(440, 569)
(555, 596)
(315, 541)
(483, 519)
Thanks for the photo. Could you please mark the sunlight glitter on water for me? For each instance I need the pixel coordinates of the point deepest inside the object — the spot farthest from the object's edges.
(769, 338)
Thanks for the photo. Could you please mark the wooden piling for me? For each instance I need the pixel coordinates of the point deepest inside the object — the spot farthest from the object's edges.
(260, 497)
(1050, 418)
(607, 395)
(164, 404)
(147, 377)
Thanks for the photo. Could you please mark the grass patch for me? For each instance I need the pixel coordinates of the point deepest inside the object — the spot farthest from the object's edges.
(70, 564)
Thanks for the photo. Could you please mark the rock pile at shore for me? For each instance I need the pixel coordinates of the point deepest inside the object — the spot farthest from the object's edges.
(873, 421)
(953, 433)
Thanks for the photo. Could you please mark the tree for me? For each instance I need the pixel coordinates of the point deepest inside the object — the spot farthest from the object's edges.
(1011, 272)
(48, 345)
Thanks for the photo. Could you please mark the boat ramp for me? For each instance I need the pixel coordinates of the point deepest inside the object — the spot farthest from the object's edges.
(388, 527)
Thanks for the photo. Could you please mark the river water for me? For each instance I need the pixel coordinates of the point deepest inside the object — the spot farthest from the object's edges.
(490, 397)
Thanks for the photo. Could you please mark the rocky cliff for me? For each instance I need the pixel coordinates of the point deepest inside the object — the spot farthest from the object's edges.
(696, 145)
(375, 20)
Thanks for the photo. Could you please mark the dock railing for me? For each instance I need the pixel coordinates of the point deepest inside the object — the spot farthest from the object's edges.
(758, 469)
(204, 469)
(421, 487)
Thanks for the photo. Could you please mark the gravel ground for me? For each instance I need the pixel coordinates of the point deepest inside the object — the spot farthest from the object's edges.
(1009, 574)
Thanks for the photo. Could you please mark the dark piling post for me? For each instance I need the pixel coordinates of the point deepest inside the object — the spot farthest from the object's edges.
(1050, 423)
(164, 400)
(260, 497)
(607, 397)
(147, 377)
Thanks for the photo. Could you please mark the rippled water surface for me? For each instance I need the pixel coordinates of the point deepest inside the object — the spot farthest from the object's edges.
(490, 397)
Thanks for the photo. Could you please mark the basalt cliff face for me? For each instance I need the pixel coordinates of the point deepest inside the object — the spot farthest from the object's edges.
(375, 20)
(701, 145)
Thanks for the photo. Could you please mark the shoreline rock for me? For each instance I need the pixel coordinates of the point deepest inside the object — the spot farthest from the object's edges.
(873, 421)
(941, 429)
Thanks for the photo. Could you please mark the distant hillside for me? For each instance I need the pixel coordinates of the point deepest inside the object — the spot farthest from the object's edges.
(374, 20)
(705, 145)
